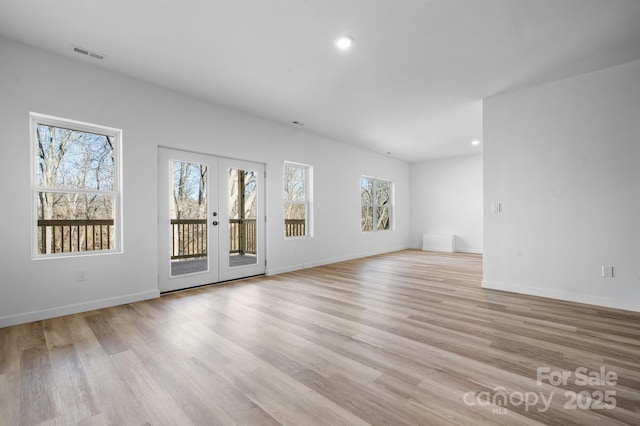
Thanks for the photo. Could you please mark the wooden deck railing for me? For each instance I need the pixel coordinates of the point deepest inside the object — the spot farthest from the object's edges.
(295, 227)
(69, 236)
(188, 238)
(242, 236)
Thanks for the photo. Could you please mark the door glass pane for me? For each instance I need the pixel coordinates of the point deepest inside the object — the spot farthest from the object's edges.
(243, 208)
(188, 218)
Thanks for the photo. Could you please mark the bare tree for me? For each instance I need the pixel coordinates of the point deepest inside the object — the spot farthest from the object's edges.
(202, 192)
(189, 190)
(295, 189)
(53, 144)
(69, 163)
(376, 204)
(180, 188)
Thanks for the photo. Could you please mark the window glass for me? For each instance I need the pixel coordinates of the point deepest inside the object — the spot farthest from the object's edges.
(76, 182)
(376, 199)
(297, 200)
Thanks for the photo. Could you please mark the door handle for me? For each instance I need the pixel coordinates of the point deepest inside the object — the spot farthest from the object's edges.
(214, 223)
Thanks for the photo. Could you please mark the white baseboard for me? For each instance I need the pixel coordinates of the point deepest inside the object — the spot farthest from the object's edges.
(469, 250)
(629, 305)
(329, 261)
(74, 309)
(439, 249)
(458, 250)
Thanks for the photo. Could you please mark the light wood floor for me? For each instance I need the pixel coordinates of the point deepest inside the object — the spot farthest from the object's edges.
(404, 338)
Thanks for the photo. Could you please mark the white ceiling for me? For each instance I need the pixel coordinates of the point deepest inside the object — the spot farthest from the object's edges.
(412, 84)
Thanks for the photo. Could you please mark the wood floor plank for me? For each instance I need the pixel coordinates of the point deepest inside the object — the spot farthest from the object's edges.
(271, 387)
(10, 398)
(153, 399)
(287, 400)
(113, 398)
(403, 338)
(56, 333)
(108, 337)
(74, 396)
(37, 401)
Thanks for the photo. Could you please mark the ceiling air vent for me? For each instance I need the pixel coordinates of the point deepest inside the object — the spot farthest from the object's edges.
(87, 52)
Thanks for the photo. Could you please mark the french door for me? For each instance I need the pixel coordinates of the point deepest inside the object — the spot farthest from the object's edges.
(211, 219)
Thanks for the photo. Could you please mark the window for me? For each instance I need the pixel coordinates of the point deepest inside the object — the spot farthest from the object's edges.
(297, 200)
(376, 197)
(76, 189)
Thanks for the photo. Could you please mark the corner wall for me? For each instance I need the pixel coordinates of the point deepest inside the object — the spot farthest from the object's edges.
(446, 198)
(32, 80)
(563, 159)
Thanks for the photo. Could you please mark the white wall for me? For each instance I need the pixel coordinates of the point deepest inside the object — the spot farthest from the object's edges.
(446, 198)
(34, 80)
(564, 161)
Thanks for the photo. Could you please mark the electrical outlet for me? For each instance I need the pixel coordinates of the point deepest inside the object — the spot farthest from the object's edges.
(82, 275)
(607, 271)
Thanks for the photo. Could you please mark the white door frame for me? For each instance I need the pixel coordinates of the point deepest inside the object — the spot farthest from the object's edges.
(218, 259)
(228, 272)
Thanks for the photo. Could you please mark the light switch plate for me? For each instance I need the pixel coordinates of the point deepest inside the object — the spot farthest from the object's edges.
(607, 271)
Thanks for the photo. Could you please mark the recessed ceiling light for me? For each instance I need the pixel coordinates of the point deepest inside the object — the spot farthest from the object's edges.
(475, 142)
(344, 42)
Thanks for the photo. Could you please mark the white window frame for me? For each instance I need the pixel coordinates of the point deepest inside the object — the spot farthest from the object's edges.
(308, 202)
(36, 119)
(375, 205)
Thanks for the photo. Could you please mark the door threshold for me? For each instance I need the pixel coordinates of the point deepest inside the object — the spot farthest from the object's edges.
(227, 282)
